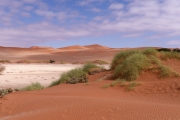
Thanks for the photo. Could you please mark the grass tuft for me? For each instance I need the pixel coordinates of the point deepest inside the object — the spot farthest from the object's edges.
(131, 67)
(132, 85)
(87, 67)
(33, 87)
(150, 52)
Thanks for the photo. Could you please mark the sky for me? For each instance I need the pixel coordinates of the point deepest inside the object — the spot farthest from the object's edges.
(112, 23)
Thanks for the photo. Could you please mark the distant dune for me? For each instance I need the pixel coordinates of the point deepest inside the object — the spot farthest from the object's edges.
(69, 54)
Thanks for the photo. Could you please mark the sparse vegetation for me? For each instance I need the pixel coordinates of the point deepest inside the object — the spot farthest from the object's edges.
(106, 86)
(164, 50)
(129, 65)
(120, 57)
(2, 68)
(176, 50)
(78, 75)
(23, 61)
(131, 86)
(170, 55)
(4, 92)
(100, 62)
(33, 87)
(52, 61)
(5, 61)
(150, 52)
(87, 67)
(72, 77)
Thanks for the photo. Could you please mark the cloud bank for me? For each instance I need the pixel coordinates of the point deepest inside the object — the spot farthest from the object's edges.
(28, 22)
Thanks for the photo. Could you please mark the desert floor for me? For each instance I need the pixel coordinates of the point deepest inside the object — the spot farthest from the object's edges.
(20, 75)
(153, 99)
(157, 100)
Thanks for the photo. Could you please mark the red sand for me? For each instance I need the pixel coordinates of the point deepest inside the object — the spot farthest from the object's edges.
(151, 100)
(154, 99)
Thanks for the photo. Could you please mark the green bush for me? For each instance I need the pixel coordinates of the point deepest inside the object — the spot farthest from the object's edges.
(164, 50)
(150, 51)
(131, 67)
(121, 56)
(169, 55)
(33, 87)
(87, 67)
(72, 77)
(176, 50)
(4, 92)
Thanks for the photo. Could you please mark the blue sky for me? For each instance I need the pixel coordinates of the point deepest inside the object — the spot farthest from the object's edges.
(113, 23)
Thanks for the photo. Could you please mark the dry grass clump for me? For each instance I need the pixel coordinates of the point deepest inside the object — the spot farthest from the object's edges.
(33, 87)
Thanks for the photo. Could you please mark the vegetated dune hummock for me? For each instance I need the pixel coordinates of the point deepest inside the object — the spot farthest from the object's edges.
(153, 99)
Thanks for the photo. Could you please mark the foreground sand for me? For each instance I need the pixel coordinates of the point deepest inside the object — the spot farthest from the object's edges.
(150, 101)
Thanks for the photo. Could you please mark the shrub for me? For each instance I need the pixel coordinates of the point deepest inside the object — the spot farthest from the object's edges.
(164, 50)
(54, 83)
(72, 77)
(2, 68)
(4, 92)
(169, 55)
(131, 67)
(176, 50)
(5, 61)
(33, 87)
(52, 61)
(92, 71)
(87, 67)
(150, 51)
(121, 56)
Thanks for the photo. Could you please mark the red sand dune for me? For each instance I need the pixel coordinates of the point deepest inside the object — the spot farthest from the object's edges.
(68, 54)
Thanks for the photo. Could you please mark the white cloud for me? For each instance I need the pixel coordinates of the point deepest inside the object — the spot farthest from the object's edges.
(130, 20)
(95, 9)
(87, 2)
(174, 42)
(40, 32)
(116, 6)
